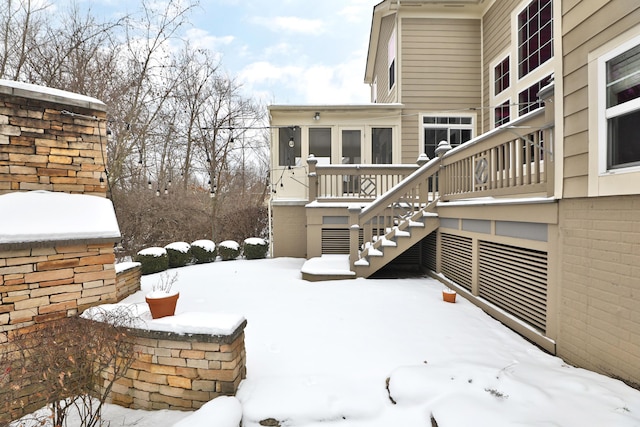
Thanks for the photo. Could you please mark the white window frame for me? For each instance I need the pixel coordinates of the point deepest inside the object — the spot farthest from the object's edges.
(506, 95)
(518, 84)
(423, 126)
(603, 181)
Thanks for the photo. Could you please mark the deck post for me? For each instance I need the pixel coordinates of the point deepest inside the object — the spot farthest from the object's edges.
(354, 233)
(313, 178)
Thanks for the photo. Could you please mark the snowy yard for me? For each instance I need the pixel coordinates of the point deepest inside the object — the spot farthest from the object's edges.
(319, 355)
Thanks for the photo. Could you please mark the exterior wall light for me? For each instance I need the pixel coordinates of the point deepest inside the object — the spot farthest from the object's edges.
(316, 116)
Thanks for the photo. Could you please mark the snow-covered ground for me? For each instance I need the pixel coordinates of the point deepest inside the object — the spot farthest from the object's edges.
(378, 353)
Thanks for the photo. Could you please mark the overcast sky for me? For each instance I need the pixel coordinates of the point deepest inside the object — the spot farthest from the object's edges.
(286, 51)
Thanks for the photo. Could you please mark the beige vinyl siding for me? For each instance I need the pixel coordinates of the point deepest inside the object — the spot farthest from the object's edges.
(586, 26)
(496, 34)
(382, 67)
(440, 71)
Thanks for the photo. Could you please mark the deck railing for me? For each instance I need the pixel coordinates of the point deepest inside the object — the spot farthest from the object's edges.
(353, 182)
(514, 160)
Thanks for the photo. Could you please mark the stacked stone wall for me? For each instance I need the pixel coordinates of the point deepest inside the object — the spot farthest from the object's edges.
(182, 372)
(41, 284)
(43, 147)
(127, 279)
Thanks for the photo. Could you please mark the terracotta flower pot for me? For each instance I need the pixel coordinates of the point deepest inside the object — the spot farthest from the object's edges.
(448, 295)
(164, 306)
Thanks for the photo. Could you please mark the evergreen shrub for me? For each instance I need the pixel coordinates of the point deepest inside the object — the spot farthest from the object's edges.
(203, 251)
(153, 260)
(255, 248)
(229, 250)
(179, 254)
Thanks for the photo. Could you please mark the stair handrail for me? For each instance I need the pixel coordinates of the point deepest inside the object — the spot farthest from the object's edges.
(424, 172)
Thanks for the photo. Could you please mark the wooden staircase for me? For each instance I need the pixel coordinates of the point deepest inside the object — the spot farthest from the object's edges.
(395, 221)
(397, 239)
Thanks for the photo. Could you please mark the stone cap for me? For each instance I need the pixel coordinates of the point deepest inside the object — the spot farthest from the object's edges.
(43, 93)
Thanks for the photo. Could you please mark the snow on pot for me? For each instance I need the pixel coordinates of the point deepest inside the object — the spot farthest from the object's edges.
(162, 299)
(449, 295)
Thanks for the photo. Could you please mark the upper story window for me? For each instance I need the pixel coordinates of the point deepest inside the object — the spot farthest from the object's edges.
(528, 99)
(454, 129)
(622, 110)
(502, 113)
(535, 36)
(289, 146)
(391, 51)
(501, 76)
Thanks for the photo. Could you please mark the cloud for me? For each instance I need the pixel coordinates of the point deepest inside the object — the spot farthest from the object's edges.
(312, 84)
(291, 24)
(202, 39)
(357, 11)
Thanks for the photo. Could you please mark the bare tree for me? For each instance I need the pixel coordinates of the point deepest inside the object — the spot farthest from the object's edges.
(177, 123)
(20, 22)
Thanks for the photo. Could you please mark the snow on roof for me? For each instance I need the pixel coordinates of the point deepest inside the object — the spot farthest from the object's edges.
(43, 216)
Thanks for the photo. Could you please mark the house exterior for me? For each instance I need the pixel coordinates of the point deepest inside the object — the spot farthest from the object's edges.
(530, 207)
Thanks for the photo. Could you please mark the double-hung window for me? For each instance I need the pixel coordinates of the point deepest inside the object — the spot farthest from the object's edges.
(622, 107)
(614, 114)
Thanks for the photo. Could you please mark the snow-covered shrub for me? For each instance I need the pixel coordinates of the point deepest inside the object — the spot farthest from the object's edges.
(255, 248)
(203, 251)
(229, 250)
(179, 254)
(153, 260)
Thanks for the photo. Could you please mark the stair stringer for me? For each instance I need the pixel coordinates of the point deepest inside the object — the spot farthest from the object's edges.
(404, 241)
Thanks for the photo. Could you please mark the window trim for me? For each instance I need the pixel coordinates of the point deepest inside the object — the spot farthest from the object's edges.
(603, 181)
(422, 126)
(497, 99)
(518, 12)
(519, 84)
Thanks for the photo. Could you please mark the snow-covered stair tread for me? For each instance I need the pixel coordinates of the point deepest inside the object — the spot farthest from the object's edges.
(362, 262)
